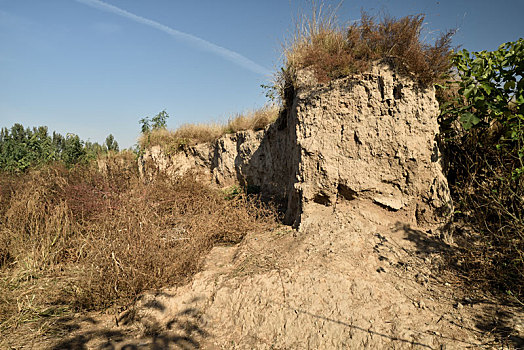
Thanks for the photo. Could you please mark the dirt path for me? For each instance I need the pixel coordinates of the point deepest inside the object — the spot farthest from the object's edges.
(355, 278)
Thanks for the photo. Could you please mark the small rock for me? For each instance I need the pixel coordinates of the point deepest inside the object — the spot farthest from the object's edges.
(459, 306)
(390, 202)
(420, 278)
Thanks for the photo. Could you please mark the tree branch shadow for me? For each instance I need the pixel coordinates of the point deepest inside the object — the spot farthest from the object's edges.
(182, 331)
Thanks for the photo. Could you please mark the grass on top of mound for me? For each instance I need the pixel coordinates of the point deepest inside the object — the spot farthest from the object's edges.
(191, 134)
(332, 51)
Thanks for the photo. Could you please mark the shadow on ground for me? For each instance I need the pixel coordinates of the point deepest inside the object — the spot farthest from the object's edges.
(181, 332)
(499, 315)
(501, 322)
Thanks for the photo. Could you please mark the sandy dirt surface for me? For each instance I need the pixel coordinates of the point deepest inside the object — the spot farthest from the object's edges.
(352, 277)
(357, 164)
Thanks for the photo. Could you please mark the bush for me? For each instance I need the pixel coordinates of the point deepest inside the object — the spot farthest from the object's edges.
(332, 51)
(482, 127)
(83, 239)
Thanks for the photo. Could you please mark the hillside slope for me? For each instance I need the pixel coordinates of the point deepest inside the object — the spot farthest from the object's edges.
(356, 278)
(356, 167)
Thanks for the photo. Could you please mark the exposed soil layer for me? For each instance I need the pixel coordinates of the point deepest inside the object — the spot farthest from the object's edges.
(356, 166)
(355, 278)
(371, 136)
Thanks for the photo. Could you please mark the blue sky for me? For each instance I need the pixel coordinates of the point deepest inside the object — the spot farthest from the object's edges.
(94, 68)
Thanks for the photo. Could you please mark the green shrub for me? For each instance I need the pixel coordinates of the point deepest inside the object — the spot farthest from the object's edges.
(158, 122)
(482, 127)
(22, 148)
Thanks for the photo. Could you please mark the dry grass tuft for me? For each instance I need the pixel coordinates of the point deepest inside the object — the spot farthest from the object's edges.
(331, 51)
(195, 133)
(96, 237)
(191, 134)
(255, 120)
(489, 220)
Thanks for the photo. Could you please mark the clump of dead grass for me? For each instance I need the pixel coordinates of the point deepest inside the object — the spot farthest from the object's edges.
(94, 237)
(488, 222)
(191, 134)
(332, 51)
(255, 120)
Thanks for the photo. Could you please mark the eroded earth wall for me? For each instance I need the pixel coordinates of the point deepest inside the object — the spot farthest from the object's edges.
(370, 136)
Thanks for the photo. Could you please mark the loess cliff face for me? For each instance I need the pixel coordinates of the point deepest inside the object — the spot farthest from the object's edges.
(356, 167)
(371, 136)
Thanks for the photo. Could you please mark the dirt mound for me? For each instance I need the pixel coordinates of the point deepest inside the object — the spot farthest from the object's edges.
(356, 165)
(356, 278)
(367, 136)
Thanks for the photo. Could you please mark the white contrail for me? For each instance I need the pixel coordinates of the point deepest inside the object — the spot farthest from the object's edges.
(191, 39)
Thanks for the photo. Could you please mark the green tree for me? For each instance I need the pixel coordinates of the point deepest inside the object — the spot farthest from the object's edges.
(93, 149)
(159, 121)
(73, 151)
(145, 125)
(111, 143)
(21, 148)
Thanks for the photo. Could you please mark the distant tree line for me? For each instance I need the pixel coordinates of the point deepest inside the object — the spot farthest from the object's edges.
(21, 148)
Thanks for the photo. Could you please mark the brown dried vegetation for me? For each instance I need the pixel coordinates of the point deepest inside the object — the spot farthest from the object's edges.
(191, 134)
(332, 51)
(488, 222)
(86, 239)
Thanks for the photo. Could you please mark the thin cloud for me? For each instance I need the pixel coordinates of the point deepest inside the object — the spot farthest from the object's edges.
(232, 56)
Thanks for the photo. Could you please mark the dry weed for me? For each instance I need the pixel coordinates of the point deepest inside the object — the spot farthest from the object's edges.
(254, 120)
(196, 133)
(332, 51)
(191, 134)
(96, 237)
(489, 201)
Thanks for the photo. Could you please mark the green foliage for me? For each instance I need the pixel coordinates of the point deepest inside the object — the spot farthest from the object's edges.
(111, 143)
(21, 148)
(232, 192)
(483, 136)
(159, 121)
(271, 92)
(145, 125)
(73, 149)
(93, 149)
(490, 90)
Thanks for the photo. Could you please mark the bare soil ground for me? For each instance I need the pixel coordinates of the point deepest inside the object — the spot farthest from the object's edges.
(352, 278)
